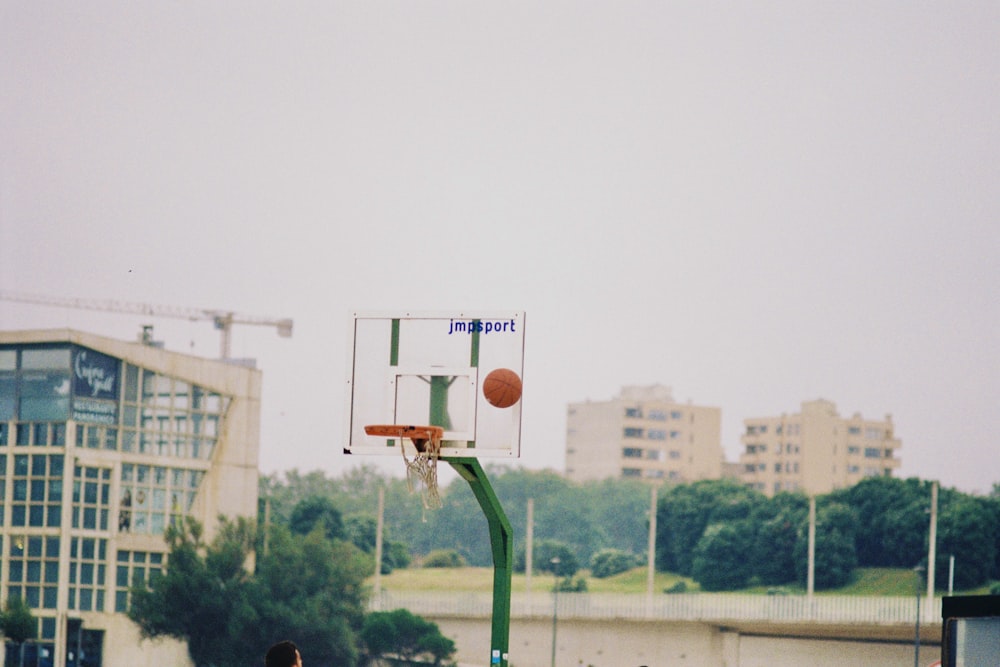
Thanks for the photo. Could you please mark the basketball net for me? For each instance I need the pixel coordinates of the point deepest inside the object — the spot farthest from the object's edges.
(421, 472)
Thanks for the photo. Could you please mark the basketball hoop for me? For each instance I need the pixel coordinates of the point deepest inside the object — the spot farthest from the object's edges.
(422, 470)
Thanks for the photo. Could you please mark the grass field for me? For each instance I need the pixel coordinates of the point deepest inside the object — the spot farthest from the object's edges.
(869, 581)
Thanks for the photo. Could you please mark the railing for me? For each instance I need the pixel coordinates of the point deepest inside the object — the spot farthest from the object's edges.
(707, 607)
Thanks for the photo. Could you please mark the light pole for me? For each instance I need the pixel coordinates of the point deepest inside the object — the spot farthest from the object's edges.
(555, 605)
(916, 631)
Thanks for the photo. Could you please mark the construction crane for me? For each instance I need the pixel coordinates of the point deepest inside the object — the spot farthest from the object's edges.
(222, 319)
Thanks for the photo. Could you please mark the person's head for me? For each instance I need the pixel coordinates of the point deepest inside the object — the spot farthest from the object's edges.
(283, 654)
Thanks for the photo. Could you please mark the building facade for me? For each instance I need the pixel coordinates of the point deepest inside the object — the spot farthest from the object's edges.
(643, 434)
(815, 451)
(103, 445)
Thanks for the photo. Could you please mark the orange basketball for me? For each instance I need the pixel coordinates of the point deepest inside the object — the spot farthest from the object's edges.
(502, 388)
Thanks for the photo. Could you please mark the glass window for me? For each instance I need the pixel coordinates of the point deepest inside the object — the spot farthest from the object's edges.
(33, 359)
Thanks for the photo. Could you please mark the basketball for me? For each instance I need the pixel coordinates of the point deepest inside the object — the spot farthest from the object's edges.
(502, 388)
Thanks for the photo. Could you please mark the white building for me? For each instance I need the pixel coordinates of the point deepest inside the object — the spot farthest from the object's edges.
(816, 450)
(103, 444)
(643, 433)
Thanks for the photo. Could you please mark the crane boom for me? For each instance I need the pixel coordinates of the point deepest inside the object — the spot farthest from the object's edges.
(222, 319)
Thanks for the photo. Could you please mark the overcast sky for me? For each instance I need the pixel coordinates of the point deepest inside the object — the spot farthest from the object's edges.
(755, 203)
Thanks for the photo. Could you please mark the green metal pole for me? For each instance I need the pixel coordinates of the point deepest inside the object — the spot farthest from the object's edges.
(501, 542)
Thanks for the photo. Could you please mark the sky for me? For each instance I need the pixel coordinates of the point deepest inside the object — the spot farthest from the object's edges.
(754, 203)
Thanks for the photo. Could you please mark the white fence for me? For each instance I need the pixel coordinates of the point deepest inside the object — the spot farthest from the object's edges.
(708, 607)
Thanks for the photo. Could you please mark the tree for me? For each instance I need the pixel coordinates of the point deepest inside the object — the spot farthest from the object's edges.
(543, 553)
(305, 587)
(402, 634)
(836, 557)
(203, 596)
(313, 589)
(777, 526)
(967, 529)
(316, 510)
(18, 624)
(684, 512)
(720, 557)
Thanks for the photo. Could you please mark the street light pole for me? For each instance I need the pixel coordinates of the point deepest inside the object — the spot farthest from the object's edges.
(555, 605)
(916, 631)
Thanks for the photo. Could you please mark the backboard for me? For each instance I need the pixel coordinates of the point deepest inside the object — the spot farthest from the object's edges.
(426, 369)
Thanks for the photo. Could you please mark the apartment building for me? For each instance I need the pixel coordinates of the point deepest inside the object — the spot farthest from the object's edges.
(816, 450)
(644, 434)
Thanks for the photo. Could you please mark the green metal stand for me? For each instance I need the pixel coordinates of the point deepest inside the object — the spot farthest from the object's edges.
(501, 541)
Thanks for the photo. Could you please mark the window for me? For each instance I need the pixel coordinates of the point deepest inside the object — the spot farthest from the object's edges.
(37, 493)
(657, 415)
(751, 449)
(631, 472)
(87, 573)
(632, 453)
(852, 449)
(633, 412)
(154, 497)
(654, 455)
(873, 453)
(872, 433)
(631, 432)
(91, 497)
(676, 414)
(656, 434)
(134, 568)
(34, 570)
(168, 417)
(674, 454)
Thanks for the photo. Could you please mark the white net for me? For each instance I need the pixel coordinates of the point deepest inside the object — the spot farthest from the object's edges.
(421, 473)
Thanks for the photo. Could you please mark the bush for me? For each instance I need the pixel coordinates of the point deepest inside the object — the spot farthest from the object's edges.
(444, 558)
(609, 562)
(544, 552)
(995, 588)
(679, 587)
(571, 585)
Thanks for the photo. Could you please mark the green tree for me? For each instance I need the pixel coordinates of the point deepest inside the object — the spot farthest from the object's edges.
(684, 511)
(402, 634)
(18, 624)
(836, 557)
(720, 557)
(543, 553)
(777, 525)
(967, 529)
(306, 587)
(317, 510)
(894, 531)
(312, 589)
(203, 597)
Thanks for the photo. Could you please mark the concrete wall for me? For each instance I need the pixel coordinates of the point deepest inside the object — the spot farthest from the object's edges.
(594, 643)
